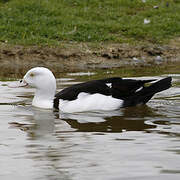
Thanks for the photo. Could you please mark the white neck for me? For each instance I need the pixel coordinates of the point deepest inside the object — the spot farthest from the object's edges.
(43, 98)
(45, 83)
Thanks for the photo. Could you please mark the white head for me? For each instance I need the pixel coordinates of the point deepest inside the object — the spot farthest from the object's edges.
(45, 83)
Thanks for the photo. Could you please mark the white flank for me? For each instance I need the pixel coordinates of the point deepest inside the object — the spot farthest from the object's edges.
(90, 102)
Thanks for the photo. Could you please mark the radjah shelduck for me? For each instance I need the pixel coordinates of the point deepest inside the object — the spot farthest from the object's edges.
(97, 95)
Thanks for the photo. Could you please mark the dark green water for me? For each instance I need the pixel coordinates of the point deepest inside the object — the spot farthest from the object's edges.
(134, 143)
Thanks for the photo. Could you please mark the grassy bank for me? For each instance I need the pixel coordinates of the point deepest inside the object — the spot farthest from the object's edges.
(51, 22)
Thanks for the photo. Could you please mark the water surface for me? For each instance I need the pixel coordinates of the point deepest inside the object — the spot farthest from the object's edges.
(133, 143)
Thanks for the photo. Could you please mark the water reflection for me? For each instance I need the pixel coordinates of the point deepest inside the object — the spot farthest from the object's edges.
(128, 119)
(42, 123)
(43, 146)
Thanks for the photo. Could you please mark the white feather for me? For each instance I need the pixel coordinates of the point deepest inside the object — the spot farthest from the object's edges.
(139, 89)
(109, 85)
(90, 102)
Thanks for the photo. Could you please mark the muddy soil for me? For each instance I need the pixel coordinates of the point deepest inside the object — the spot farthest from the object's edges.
(77, 57)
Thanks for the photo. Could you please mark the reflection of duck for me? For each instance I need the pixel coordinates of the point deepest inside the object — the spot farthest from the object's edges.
(130, 119)
(105, 94)
(40, 122)
(44, 121)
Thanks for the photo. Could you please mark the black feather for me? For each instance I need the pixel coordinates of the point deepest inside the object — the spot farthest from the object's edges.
(144, 95)
(125, 89)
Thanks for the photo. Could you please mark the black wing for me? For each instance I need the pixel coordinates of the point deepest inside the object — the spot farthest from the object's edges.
(91, 87)
(116, 87)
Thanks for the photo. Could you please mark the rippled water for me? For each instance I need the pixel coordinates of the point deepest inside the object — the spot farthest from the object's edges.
(133, 143)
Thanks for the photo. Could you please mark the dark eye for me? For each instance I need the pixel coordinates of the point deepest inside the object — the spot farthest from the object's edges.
(20, 81)
(32, 75)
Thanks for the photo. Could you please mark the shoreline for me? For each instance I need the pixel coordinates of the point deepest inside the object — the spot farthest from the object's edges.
(74, 57)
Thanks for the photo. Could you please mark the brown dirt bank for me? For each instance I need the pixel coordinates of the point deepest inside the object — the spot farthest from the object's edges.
(75, 57)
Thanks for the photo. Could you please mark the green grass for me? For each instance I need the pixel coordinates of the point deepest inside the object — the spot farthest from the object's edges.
(51, 22)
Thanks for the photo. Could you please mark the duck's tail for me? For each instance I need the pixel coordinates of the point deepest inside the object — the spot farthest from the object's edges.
(146, 93)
